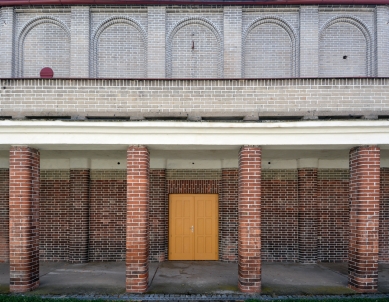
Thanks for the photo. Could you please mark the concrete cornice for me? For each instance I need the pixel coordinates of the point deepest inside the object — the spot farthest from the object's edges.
(61, 134)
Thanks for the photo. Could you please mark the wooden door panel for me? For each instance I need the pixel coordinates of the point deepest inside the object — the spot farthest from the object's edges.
(193, 227)
(206, 227)
(181, 220)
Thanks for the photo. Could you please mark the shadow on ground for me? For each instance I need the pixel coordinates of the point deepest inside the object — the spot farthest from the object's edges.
(192, 277)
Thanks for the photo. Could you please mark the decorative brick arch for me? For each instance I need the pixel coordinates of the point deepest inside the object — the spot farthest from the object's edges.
(102, 27)
(26, 30)
(358, 23)
(289, 30)
(188, 21)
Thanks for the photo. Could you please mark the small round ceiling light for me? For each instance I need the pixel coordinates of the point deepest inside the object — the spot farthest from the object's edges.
(46, 73)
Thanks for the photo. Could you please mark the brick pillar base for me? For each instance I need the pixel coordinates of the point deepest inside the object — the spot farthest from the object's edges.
(307, 215)
(364, 218)
(137, 236)
(24, 218)
(249, 209)
(79, 221)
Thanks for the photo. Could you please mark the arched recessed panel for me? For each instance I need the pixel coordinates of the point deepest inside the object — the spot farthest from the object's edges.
(119, 49)
(45, 44)
(268, 52)
(343, 51)
(121, 53)
(195, 53)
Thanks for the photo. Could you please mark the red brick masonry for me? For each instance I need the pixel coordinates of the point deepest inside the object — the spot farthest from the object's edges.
(249, 209)
(364, 218)
(24, 218)
(137, 236)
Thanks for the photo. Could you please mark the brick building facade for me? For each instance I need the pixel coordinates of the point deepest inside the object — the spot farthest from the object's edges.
(281, 110)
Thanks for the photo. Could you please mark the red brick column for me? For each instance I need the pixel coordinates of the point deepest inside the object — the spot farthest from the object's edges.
(249, 209)
(24, 165)
(307, 215)
(137, 234)
(79, 219)
(364, 218)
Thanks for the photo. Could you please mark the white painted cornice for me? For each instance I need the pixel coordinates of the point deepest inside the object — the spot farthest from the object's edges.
(69, 134)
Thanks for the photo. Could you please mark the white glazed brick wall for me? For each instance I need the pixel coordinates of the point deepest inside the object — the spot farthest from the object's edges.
(229, 42)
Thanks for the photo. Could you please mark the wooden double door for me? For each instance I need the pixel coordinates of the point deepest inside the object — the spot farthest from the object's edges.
(193, 227)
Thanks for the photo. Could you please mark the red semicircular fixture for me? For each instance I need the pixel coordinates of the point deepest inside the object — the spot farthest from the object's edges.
(47, 73)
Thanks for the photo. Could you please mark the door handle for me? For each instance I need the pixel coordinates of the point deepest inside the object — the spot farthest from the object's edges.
(192, 228)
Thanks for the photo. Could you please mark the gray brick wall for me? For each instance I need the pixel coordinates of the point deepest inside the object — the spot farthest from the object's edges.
(206, 98)
(6, 41)
(343, 51)
(80, 32)
(309, 41)
(382, 36)
(232, 41)
(269, 49)
(156, 67)
(42, 39)
(195, 41)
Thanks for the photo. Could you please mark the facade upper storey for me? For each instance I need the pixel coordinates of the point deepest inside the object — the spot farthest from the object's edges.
(198, 41)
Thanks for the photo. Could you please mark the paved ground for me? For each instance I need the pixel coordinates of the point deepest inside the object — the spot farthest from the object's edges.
(192, 277)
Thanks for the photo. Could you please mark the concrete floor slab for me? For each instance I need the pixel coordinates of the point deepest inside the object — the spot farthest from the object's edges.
(192, 277)
(195, 277)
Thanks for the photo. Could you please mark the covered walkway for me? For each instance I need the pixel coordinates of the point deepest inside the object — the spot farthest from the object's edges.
(190, 277)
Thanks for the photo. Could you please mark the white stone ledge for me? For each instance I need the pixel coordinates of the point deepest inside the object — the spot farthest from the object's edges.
(117, 135)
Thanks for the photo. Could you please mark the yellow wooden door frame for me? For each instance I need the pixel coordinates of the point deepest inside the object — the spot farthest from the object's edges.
(193, 227)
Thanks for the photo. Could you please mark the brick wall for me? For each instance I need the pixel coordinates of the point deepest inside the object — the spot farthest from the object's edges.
(268, 52)
(205, 97)
(228, 216)
(53, 51)
(107, 220)
(195, 53)
(54, 215)
(121, 52)
(383, 256)
(333, 208)
(158, 216)
(340, 40)
(4, 215)
(50, 36)
(279, 215)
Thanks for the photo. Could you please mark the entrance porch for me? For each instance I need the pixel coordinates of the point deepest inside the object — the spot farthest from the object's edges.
(298, 195)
